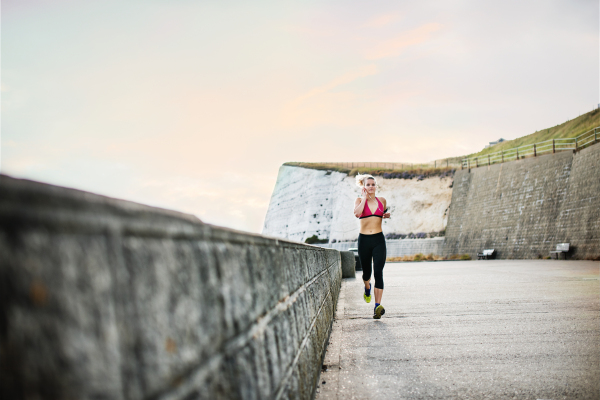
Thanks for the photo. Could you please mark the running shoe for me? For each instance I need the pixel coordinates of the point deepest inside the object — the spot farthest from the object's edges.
(379, 311)
(366, 296)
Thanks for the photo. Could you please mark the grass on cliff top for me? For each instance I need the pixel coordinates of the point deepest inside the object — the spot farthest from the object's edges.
(319, 166)
(401, 173)
(406, 173)
(569, 129)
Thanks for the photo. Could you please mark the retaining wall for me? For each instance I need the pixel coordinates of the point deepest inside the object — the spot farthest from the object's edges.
(524, 208)
(102, 298)
(400, 247)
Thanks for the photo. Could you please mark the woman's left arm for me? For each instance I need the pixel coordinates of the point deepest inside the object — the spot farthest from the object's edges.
(385, 214)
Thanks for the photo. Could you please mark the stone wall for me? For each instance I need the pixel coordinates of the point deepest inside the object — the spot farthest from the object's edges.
(524, 208)
(102, 298)
(400, 247)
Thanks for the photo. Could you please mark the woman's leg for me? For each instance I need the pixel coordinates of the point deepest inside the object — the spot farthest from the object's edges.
(365, 253)
(379, 255)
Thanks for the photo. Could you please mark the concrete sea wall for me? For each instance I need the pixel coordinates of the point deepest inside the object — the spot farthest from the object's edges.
(307, 202)
(102, 298)
(400, 247)
(524, 208)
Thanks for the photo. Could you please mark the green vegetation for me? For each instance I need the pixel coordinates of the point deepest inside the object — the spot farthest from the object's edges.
(399, 173)
(419, 257)
(315, 239)
(569, 129)
(429, 257)
(459, 257)
(319, 166)
(416, 257)
(406, 173)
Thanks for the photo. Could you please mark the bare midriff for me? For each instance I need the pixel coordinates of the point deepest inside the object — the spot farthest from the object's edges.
(370, 226)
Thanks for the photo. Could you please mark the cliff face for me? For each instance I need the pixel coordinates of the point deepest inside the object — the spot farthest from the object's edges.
(307, 202)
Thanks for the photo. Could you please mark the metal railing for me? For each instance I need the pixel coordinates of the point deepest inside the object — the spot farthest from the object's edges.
(533, 150)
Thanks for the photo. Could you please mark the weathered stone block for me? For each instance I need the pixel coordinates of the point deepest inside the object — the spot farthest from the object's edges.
(348, 264)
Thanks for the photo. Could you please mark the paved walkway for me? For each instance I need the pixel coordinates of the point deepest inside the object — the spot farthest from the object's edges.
(469, 330)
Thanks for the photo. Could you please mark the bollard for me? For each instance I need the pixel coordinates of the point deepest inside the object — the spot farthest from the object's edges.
(348, 264)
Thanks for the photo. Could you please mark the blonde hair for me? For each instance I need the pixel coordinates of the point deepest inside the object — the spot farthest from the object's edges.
(361, 179)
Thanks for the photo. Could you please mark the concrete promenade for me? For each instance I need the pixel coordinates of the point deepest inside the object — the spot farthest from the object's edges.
(496, 329)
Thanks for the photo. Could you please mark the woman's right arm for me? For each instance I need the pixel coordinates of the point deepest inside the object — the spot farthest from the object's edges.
(359, 206)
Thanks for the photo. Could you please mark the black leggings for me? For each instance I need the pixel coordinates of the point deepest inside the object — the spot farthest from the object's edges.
(372, 247)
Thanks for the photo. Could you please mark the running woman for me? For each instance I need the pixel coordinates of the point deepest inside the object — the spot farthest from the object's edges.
(371, 242)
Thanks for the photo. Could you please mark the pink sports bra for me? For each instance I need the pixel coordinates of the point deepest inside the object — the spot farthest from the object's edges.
(367, 211)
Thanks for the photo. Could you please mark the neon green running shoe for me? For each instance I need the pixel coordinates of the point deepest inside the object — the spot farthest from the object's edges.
(367, 294)
(379, 311)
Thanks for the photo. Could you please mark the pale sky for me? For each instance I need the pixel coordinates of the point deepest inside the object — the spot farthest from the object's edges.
(193, 106)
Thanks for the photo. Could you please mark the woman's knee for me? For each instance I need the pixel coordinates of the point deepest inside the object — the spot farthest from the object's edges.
(366, 268)
(366, 275)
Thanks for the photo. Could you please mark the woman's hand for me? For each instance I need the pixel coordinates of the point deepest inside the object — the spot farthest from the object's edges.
(386, 215)
(365, 194)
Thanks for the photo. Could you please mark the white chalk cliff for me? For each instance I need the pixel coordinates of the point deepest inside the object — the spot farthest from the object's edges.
(307, 202)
